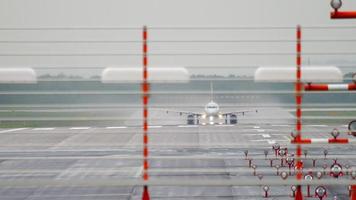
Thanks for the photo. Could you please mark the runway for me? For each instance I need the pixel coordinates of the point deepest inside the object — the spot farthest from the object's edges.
(177, 152)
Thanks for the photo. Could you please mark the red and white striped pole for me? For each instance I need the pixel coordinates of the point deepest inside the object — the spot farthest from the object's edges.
(330, 87)
(298, 99)
(145, 97)
(325, 141)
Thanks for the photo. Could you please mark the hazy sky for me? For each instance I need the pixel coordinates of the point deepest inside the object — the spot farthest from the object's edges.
(162, 13)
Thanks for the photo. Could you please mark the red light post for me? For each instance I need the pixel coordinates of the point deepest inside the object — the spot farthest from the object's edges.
(336, 14)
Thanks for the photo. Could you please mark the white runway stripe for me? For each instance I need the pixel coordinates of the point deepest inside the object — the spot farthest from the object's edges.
(79, 128)
(280, 125)
(43, 129)
(12, 130)
(266, 135)
(154, 126)
(227, 125)
(317, 125)
(116, 127)
(188, 126)
(260, 130)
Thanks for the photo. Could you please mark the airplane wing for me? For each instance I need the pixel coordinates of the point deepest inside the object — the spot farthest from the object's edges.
(184, 112)
(239, 112)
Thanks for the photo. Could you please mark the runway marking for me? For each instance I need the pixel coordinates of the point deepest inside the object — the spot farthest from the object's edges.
(317, 125)
(266, 135)
(116, 127)
(280, 125)
(79, 128)
(345, 125)
(260, 130)
(226, 125)
(188, 126)
(12, 130)
(43, 129)
(155, 126)
(256, 127)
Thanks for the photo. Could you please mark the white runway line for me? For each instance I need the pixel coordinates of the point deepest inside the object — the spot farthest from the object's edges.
(280, 125)
(155, 126)
(79, 128)
(12, 130)
(43, 129)
(225, 125)
(317, 125)
(260, 130)
(116, 127)
(256, 127)
(188, 126)
(266, 135)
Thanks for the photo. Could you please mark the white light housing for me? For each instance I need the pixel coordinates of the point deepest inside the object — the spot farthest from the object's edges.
(17, 75)
(135, 75)
(336, 4)
(309, 74)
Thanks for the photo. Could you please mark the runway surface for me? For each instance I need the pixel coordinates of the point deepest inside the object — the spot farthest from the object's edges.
(177, 151)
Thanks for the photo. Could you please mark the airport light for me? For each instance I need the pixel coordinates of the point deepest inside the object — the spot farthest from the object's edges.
(324, 168)
(326, 152)
(320, 192)
(352, 128)
(336, 4)
(246, 153)
(353, 174)
(265, 152)
(308, 177)
(284, 175)
(337, 14)
(265, 189)
(319, 174)
(254, 169)
(336, 170)
(294, 189)
(335, 133)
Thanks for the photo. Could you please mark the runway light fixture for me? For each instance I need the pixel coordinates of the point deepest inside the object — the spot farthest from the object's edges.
(319, 174)
(325, 153)
(320, 192)
(284, 175)
(336, 4)
(305, 152)
(265, 189)
(294, 189)
(335, 133)
(266, 153)
(336, 170)
(353, 174)
(352, 128)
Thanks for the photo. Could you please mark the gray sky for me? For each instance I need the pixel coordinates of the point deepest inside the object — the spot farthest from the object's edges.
(162, 13)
